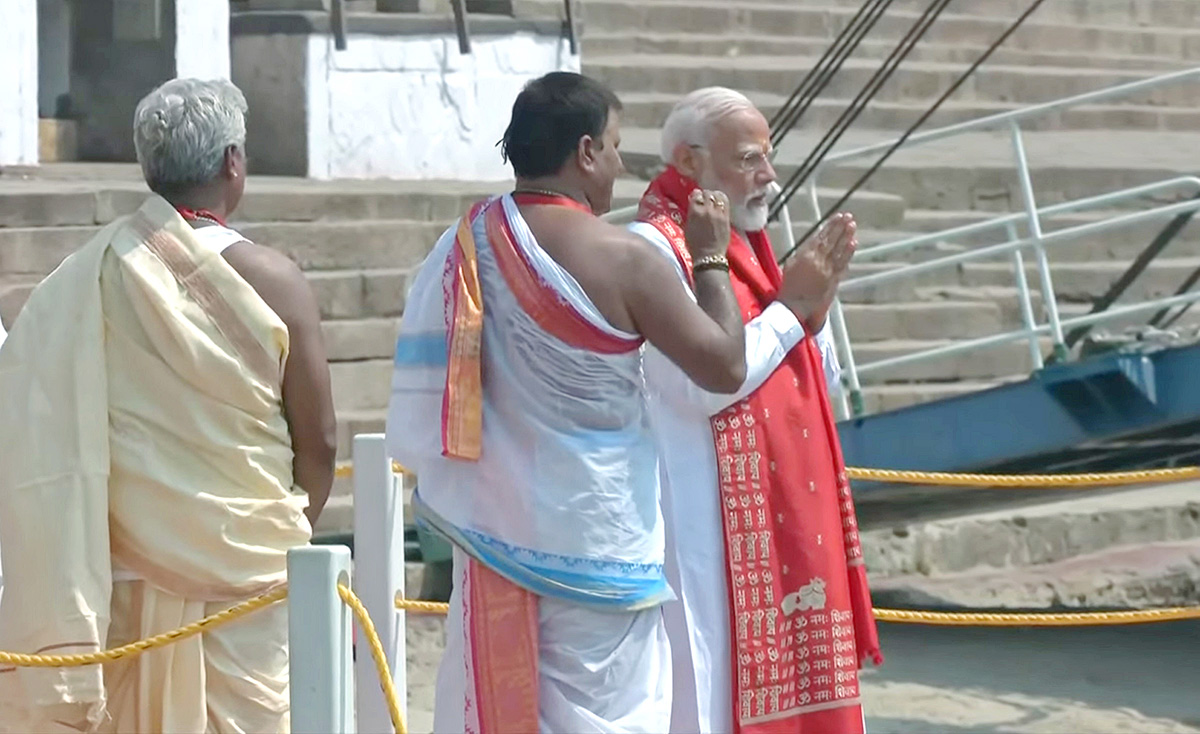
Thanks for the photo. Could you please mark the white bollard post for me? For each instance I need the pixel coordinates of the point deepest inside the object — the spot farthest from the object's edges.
(319, 624)
(379, 576)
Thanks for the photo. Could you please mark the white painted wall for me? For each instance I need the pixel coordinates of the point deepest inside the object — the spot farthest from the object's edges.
(19, 83)
(202, 39)
(412, 107)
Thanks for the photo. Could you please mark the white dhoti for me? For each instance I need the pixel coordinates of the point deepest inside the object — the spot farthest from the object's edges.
(242, 667)
(597, 671)
(146, 482)
(544, 477)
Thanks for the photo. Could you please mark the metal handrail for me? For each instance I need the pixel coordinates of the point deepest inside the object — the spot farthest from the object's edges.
(1025, 113)
(461, 26)
(1160, 242)
(1069, 207)
(1055, 237)
(463, 32)
(1031, 216)
(570, 26)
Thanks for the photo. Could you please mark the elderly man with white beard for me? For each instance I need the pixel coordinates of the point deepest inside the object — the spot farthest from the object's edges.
(774, 614)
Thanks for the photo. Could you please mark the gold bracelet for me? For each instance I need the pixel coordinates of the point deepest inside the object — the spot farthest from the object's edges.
(711, 262)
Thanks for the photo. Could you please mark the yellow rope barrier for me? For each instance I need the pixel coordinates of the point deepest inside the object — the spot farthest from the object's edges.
(381, 664)
(950, 479)
(974, 619)
(347, 469)
(1036, 619)
(213, 621)
(417, 606)
(391, 696)
(22, 660)
(1043, 481)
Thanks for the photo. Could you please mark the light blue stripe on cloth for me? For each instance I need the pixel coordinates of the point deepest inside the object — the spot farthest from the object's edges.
(609, 585)
(425, 349)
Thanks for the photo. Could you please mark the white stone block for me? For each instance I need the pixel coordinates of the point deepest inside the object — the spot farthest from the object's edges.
(202, 39)
(411, 106)
(19, 84)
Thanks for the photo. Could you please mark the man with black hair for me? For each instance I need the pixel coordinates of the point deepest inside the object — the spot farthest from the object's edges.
(522, 341)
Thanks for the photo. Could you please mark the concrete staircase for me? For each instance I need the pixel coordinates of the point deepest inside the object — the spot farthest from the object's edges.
(1124, 548)
(360, 241)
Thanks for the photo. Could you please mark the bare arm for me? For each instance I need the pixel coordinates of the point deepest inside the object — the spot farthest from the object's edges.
(705, 338)
(307, 397)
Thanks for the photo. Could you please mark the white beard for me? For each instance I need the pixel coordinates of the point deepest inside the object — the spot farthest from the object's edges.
(743, 216)
(749, 218)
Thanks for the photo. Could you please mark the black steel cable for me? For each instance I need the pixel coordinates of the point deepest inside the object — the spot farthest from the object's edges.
(859, 103)
(830, 63)
(1135, 269)
(913, 128)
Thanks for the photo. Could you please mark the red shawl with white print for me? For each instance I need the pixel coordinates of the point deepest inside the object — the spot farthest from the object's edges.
(800, 609)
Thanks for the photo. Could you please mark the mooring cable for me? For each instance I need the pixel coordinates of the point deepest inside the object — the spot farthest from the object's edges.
(912, 128)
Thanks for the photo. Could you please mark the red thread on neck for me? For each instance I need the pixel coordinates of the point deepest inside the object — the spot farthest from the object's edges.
(194, 214)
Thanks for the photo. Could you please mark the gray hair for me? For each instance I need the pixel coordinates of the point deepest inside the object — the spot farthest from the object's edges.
(692, 118)
(182, 129)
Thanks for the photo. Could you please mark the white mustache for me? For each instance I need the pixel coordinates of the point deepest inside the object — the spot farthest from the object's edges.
(762, 193)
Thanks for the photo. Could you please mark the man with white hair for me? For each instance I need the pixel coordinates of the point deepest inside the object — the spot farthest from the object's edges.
(774, 617)
(168, 435)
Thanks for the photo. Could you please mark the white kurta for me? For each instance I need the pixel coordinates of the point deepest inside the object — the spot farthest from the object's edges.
(680, 412)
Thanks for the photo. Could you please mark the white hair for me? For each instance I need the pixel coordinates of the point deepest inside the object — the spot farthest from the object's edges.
(182, 129)
(692, 119)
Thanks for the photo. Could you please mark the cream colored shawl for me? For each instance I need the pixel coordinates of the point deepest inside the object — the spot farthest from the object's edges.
(142, 429)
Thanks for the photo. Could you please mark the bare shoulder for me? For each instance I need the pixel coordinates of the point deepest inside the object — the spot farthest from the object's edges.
(625, 247)
(642, 262)
(277, 279)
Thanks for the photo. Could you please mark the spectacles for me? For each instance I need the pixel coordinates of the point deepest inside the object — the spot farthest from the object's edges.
(750, 161)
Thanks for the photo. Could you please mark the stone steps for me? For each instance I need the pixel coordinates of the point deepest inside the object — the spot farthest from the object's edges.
(361, 339)
(922, 320)
(650, 109)
(1124, 243)
(914, 81)
(361, 385)
(1079, 282)
(353, 340)
(1125, 548)
(353, 293)
(879, 398)
(1148, 575)
(725, 45)
(1165, 13)
(999, 362)
(975, 171)
(774, 19)
(93, 194)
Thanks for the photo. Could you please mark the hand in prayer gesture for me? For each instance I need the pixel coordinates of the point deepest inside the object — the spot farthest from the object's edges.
(811, 277)
(707, 230)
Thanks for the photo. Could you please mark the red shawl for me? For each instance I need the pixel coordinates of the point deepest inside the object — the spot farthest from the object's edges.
(800, 609)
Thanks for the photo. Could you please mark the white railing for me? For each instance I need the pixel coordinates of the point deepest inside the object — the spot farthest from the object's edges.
(324, 662)
(379, 568)
(1036, 240)
(320, 663)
